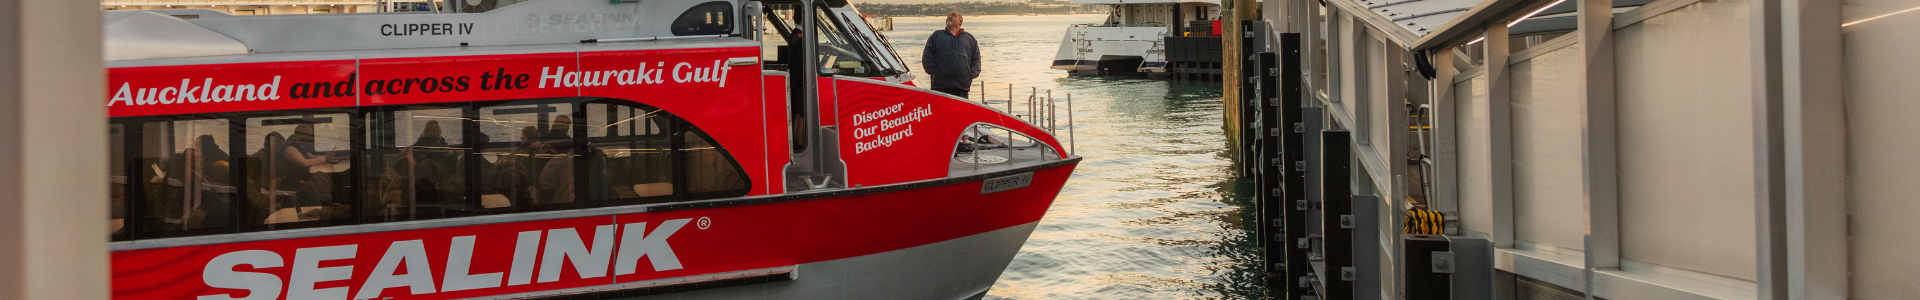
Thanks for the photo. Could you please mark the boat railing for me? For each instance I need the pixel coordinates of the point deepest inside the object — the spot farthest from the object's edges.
(1040, 108)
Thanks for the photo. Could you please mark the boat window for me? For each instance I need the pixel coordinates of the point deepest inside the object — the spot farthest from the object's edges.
(776, 26)
(298, 170)
(886, 60)
(416, 164)
(710, 171)
(838, 52)
(640, 154)
(632, 157)
(705, 19)
(987, 145)
(527, 154)
(186, 176)
(480, 6)
(116, 181)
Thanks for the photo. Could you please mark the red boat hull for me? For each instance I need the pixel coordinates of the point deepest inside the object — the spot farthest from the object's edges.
(577, 253)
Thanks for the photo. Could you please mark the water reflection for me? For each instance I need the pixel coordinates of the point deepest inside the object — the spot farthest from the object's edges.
(1153, 213)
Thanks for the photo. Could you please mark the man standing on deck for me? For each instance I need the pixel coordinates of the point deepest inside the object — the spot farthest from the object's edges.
(952, 57)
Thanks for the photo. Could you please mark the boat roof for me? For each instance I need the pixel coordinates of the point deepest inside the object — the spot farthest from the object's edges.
(1115, 2)
(145, 35)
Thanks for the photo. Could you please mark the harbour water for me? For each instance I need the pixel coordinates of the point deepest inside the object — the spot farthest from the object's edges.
(1153, 212)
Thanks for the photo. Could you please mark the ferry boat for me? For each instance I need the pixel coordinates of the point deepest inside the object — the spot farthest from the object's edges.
(555, 149)
(1132, 39)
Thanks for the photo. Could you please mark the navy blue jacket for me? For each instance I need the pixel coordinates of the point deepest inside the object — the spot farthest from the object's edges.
(952, 60)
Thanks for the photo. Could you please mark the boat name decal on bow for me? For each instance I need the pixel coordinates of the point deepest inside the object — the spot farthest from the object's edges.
(562, 248)
(426, 29)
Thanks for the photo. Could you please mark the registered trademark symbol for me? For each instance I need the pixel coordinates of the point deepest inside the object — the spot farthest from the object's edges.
(704, 222)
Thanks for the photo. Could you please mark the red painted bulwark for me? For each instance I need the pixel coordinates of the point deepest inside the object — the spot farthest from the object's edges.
(895, 134)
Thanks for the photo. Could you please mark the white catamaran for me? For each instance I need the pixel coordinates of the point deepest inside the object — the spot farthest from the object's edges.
(1132, 39)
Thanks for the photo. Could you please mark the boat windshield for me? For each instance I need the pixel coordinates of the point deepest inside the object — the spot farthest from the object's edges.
(836, 53)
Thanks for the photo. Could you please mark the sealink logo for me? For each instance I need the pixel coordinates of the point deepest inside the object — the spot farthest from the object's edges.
(407, 264)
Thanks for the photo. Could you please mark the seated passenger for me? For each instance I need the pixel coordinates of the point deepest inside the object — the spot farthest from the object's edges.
(556, 173)
(556, 181)
(214, 188)
(265, 179)
(298, 158)
(433, 164)
(512, 173)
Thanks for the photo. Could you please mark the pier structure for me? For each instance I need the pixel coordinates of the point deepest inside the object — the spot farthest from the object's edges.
(1599, 149)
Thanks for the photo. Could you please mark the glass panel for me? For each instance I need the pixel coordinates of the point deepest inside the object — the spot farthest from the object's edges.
(707, 18)
(188, 186)
(297, 171)
(708, 167)
(116, 180)
(527, 151)
(776, 27)
(631, 157)
(417, 161)
(839, 54)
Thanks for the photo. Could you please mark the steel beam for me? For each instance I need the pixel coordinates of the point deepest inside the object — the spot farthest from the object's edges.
(1600, 144)
(1769, 181)
(1816, 148)
(1500, 135)
(1445, 193)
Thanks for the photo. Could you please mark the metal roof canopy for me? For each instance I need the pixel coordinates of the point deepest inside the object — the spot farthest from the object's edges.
(1116, 2)
(1464, 27)
(1405, 21)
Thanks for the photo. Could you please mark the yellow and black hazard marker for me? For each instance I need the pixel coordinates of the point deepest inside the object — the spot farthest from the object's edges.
(1422, 221)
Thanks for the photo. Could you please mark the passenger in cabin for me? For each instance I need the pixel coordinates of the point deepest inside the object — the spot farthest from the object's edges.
(560, 129)
(600, 185)
(311, 187)
(409, 186)
(433, 163)
(513, 171)
(215, 191)
(166, 193)
(952, 57)
(264, 165)
(187, 192)
(430, 136)
(556, 174)
(185, 173)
